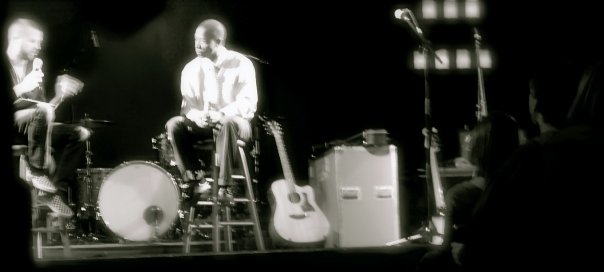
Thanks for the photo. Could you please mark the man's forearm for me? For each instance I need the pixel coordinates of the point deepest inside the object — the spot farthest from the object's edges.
(56, 100)
(19, 90)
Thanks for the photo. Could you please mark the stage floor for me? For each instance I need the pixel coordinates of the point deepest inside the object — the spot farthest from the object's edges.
(169, 256)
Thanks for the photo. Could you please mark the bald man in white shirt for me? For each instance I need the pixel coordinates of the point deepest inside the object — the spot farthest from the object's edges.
(219, 92)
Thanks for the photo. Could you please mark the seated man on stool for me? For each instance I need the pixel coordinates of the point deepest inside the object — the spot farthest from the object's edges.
(34, 116)
(218, 93)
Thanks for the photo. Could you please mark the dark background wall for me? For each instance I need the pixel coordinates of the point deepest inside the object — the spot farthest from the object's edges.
(335, 69)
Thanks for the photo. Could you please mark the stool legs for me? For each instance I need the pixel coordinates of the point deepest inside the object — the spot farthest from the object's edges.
(36, 213)
(64, 236)
(215, 208)
(252, 201)
(226, 223)
(187, 235)
(49, 229)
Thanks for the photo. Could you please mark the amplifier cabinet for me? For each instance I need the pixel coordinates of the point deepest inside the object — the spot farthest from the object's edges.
(357, 189)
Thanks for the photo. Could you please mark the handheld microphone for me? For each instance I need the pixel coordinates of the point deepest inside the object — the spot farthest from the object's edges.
(37, 64)
(37, 67)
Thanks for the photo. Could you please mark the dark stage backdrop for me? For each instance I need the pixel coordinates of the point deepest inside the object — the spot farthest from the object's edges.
(335, 69)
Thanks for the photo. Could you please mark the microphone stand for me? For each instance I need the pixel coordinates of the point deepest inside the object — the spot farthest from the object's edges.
(429, 131)
(257, 59)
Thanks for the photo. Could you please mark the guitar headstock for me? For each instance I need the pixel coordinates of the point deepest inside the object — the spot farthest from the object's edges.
(271, 126)
(477, 37)
(434, 139)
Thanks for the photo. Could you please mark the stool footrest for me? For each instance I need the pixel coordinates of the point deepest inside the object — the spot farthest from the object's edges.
(223, 223)
(201, 226)
(46, 230)
(210, 179)
(237, 223)
(209, 203)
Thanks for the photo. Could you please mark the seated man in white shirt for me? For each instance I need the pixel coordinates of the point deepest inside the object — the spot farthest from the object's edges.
(218, 92)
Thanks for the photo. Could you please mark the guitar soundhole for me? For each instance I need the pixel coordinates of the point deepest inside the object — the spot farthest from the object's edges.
(294, 197)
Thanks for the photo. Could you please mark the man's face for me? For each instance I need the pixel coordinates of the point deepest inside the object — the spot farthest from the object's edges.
(31, 43)
(205, 46)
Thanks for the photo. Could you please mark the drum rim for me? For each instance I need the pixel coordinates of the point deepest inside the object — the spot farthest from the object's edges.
(151, 163)
(124, 164)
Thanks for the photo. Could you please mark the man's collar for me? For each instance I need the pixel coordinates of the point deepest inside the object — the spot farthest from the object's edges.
(221, 55)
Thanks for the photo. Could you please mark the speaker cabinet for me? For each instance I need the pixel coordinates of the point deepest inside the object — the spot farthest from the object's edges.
(357, 189)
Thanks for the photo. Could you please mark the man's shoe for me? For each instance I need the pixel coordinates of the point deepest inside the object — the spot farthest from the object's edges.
(226, 196)
(41, 182)
(55, 204)
(203, 188)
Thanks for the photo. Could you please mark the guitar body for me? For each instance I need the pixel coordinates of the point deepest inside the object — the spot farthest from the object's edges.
(296, 220)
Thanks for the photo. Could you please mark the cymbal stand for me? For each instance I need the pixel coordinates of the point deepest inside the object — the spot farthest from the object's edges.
(90, 208)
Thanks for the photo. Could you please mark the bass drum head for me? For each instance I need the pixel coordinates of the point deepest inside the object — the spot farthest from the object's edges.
(138, 201)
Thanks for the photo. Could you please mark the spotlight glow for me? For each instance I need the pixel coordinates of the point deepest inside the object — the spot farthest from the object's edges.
(462, 58)
(419, 62)
(472, 9)
(429, 9)
(450, 9)
(485, 58)
(443, 54)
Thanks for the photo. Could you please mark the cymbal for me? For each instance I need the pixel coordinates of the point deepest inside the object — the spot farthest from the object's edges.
(93, 123)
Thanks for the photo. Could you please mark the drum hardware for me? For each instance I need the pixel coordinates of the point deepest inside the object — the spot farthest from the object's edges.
(137, 200)
(90, 123)
(165, 154)
(89, 211)
(153, 215)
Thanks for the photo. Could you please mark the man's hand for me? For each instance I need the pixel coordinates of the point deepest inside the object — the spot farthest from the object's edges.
(30, 82)
(203, 119)
(198, 117)
(456, 251)
(245, 130)
(67, 86)
(83, 132)
(214, 116)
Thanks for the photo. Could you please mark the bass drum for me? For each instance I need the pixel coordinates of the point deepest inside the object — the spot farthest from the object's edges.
(139, 201)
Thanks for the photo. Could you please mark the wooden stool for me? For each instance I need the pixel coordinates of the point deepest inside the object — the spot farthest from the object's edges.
(218, 209)
(38, 209)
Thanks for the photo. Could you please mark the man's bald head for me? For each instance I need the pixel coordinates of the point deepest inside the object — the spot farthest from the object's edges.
(214, 30)
(210, 35)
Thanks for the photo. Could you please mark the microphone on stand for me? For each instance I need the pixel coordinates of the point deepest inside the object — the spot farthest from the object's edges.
(407, 16)
(256, 59)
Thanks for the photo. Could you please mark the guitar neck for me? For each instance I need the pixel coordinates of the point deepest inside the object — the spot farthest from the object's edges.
(482, 103)
(287, 170)
(439, 198)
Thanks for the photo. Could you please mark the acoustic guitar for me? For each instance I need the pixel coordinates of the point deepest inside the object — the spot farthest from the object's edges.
(296, 219)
